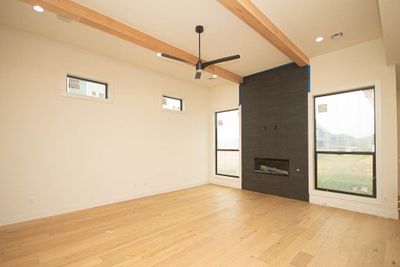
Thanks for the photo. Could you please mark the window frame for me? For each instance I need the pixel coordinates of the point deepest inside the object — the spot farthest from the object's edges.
(106, 97)
(175, 98)
(373, 154)
(216, 143)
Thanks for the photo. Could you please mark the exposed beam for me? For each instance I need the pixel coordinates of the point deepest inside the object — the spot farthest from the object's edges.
(75, 11)
(255, 18)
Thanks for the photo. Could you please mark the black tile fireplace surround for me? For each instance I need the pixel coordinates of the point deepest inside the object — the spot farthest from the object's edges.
(274, 132)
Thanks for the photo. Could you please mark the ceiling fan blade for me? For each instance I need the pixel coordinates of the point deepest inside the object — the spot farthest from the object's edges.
(212, 62)
(174, 58)
(198, 75)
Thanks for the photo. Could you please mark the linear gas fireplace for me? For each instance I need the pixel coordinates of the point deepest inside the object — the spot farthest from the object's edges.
(271, 166)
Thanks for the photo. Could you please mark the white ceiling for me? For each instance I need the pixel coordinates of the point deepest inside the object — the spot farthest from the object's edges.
(390, 14)
(304, 20)
(173, 21)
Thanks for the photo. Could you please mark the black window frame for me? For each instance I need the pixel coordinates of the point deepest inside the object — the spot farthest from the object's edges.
(87, 80)
(373, 154)
(216, 143)
(175, 98)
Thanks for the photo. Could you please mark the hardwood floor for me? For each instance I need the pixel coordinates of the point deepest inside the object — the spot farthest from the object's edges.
(204, 226)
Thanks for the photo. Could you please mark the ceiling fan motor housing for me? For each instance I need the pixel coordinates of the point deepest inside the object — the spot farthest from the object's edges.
(199, 66)
(199, 29)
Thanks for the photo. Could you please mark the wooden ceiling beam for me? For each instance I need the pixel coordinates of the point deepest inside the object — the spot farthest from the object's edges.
(75, 11)
(255, 18)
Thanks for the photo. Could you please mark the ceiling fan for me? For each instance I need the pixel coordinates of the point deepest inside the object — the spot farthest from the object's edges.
(200, 65)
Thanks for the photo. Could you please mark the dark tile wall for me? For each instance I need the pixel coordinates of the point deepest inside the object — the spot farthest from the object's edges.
(274, 125)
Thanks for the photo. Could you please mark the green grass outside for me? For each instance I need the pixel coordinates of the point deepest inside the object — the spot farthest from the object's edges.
(347, 173)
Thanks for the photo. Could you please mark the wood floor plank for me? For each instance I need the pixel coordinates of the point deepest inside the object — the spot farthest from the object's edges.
(204, 226)
(301, 259)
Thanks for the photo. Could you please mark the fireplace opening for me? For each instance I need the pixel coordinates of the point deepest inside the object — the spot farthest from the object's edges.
(271, 166)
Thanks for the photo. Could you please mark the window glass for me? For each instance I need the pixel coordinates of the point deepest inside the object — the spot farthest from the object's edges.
(345, 142)
(228, 162)
(346, 173)
(227, 143)
(172, 103)
(228, 130)
(345, 122)
(80, 86)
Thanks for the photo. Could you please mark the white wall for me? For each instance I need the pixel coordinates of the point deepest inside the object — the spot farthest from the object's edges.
(398, 123)
(60, 154)
(221, 98)
(355, 67)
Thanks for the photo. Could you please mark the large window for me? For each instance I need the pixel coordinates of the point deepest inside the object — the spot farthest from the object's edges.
(227, 143)
(345, 142)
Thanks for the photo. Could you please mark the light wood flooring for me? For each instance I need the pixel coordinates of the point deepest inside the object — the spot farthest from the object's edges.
(204, 226)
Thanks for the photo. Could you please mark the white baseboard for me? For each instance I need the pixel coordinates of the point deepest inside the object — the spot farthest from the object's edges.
(92, 204)
(355, 206)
